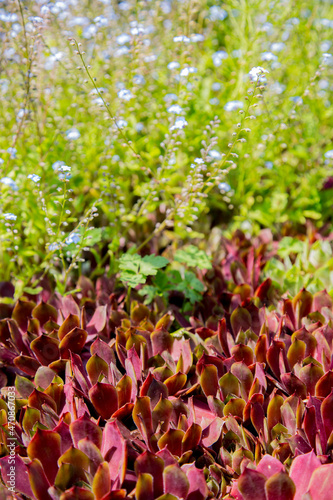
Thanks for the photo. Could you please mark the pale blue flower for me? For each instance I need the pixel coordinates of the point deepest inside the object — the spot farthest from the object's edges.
(187, 71)
(35, 178)
(9, 216)
(101, 21)
(8, 181)
(329, 154)
(73, 238)
(125, 95)
(216, 86)
(277, 46)
(57, 164)
(64, 168)
(256, 73)
(73, 134)
(268, 56)
(53, 247)
(179, 124)
(170, 97)
(216, 13)
(233, 105)
(181, 38)
(121, 123)
(269, 165)
(123, 39)
(325, 45)
(175, 108)
(90, 31)
(296, 99)
(224, 186)
(218, 57)
(139, 80)
(196, 37)
(12, 152)
(216, 155)
(173, 65)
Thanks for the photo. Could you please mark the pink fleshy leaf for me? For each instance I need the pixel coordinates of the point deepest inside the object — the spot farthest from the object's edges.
(321, 481)
(251, 484)
(211, 433)
(114, 451)
(198, 486)
(269, 465)
(98, 321)
(301, 471)
(175, 481)
(22, 483)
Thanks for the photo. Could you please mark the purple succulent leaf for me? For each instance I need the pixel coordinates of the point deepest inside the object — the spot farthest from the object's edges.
(136, 362)
(84, 427)
(80, 372)
(298, 442)
(280, 487)
(44, 377)
(21, 482)
(212, 432)
(149, 463)
(327, 415)
(198, 487)
(103, 350)
(98, 321)
(66, 439)
(69, 306)
(251, 484)
(114, 451)
(175, 481)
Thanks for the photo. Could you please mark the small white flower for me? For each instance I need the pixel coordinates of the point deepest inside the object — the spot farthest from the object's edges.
(121, 123)
(64, 168)
(35, 178)
(73, 134)
(173, 65)
(233, 105)
(9, 216)
(125, 95)
(8, 181)
(175, 108)
(224, 186)
(53, 247)
(170, 97)
(268, 56)
(12, 152)
(256, 72)
(218, 57)
(139, 80)
(181, 38)
(213, 153)
(187, 71)
(179, 124)
(329, 154)
(123, 39)
(196, 37)
(199, 161)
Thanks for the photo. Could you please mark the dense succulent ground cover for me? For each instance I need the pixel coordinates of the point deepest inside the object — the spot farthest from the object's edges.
(166, 259)
(230, 399)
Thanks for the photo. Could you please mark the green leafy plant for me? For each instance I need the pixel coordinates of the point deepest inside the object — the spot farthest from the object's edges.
(135, 269)
(302, 265)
